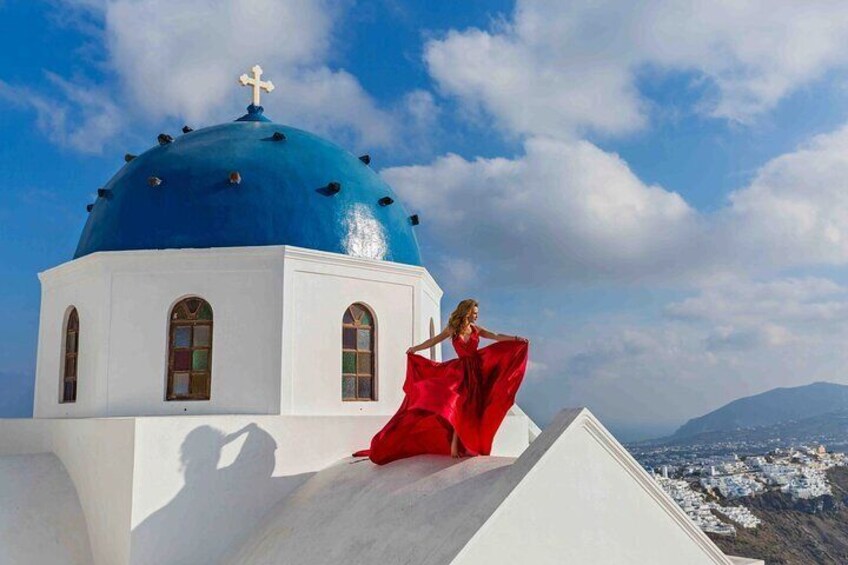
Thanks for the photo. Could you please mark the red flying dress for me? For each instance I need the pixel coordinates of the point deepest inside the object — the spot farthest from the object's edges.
(471, 394)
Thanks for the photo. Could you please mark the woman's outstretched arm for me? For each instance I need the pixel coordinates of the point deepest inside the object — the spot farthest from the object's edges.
(432, 341)
(500, 337)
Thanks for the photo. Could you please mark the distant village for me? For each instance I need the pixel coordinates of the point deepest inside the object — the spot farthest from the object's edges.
(698, 487)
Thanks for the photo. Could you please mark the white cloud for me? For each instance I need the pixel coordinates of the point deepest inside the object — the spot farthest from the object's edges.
(567, 210)
(562, 210)
(535, 369)
(421, 106)
(527, 90)
(74, 115)
(795, 211)
(731, 339)
(810, 300)
(628, 346)
(557, 68)
(180, 60)
(460, 274)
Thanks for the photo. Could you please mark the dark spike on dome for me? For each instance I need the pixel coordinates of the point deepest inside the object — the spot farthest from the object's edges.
(365, 159)
(128, 157)
(103, 193)
(173, 197)
(164, 139)
(89, 207)
(278, 136)
(414, 220)
(187, 129)
(385, 201)
(235, 177)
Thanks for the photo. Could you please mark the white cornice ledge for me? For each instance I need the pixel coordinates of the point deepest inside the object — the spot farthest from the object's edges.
(90, 263)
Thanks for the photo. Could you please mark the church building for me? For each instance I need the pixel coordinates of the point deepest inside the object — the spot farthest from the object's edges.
(231, 327)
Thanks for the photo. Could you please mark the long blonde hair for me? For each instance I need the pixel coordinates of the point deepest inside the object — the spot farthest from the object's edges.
(457, 317)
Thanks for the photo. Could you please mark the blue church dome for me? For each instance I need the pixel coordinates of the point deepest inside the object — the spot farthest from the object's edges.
(246, 183)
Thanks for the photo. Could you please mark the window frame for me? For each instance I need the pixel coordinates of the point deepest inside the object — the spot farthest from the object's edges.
(191, 320)
(70, 326)
(356, 325)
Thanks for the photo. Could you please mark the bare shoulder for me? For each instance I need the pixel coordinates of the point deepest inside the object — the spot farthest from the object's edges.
(485, 333)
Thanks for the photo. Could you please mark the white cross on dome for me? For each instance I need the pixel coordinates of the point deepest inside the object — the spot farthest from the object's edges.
(256, 83)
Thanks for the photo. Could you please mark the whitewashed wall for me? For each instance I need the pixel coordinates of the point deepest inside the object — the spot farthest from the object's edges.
(138, 478)
(431, 298)
(124, 301)
(226, 472)
(83, 285)
(98, 456)
(41, 520)
(319, 287)
(276, 334)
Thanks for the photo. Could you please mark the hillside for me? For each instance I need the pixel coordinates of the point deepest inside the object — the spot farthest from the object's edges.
(776, 406)
(792, 536)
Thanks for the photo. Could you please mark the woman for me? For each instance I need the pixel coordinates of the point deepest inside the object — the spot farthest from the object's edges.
(457, 406)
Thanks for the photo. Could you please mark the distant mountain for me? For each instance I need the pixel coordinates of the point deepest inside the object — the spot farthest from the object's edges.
(776, 406)
(830, 429)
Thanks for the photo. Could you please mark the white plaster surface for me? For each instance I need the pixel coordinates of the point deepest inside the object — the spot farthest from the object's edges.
(190, 489)
(576, 496)
(203, 483)
(572, 497)
(227, 472)
(276, 336)
(360, 513)
(41, 521)
(319, 289)
(98, 456)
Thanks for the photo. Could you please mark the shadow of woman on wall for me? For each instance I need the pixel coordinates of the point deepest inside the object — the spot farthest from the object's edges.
(217, 508)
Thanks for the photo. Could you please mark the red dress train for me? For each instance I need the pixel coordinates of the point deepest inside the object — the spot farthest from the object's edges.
(470, 394)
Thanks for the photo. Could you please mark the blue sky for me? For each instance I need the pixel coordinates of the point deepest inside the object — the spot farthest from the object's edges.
(653, 196)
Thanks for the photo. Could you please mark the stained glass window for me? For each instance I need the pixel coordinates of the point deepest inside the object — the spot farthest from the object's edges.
(358, 339)
(71, 349)
(190, 351)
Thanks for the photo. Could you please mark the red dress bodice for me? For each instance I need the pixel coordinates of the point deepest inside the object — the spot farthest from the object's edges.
(468, 347)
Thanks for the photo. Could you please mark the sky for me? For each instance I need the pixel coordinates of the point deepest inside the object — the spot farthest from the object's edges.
(654, 193)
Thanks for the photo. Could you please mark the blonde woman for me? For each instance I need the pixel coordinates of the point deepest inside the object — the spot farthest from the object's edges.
(454, 407)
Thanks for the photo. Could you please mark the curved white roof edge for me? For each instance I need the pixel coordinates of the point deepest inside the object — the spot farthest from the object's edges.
(575, 495)
(41, 520)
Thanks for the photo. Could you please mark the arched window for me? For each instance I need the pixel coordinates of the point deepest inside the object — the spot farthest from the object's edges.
(432, 335)
(71, 352)
(358, 339)
(190, 350)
